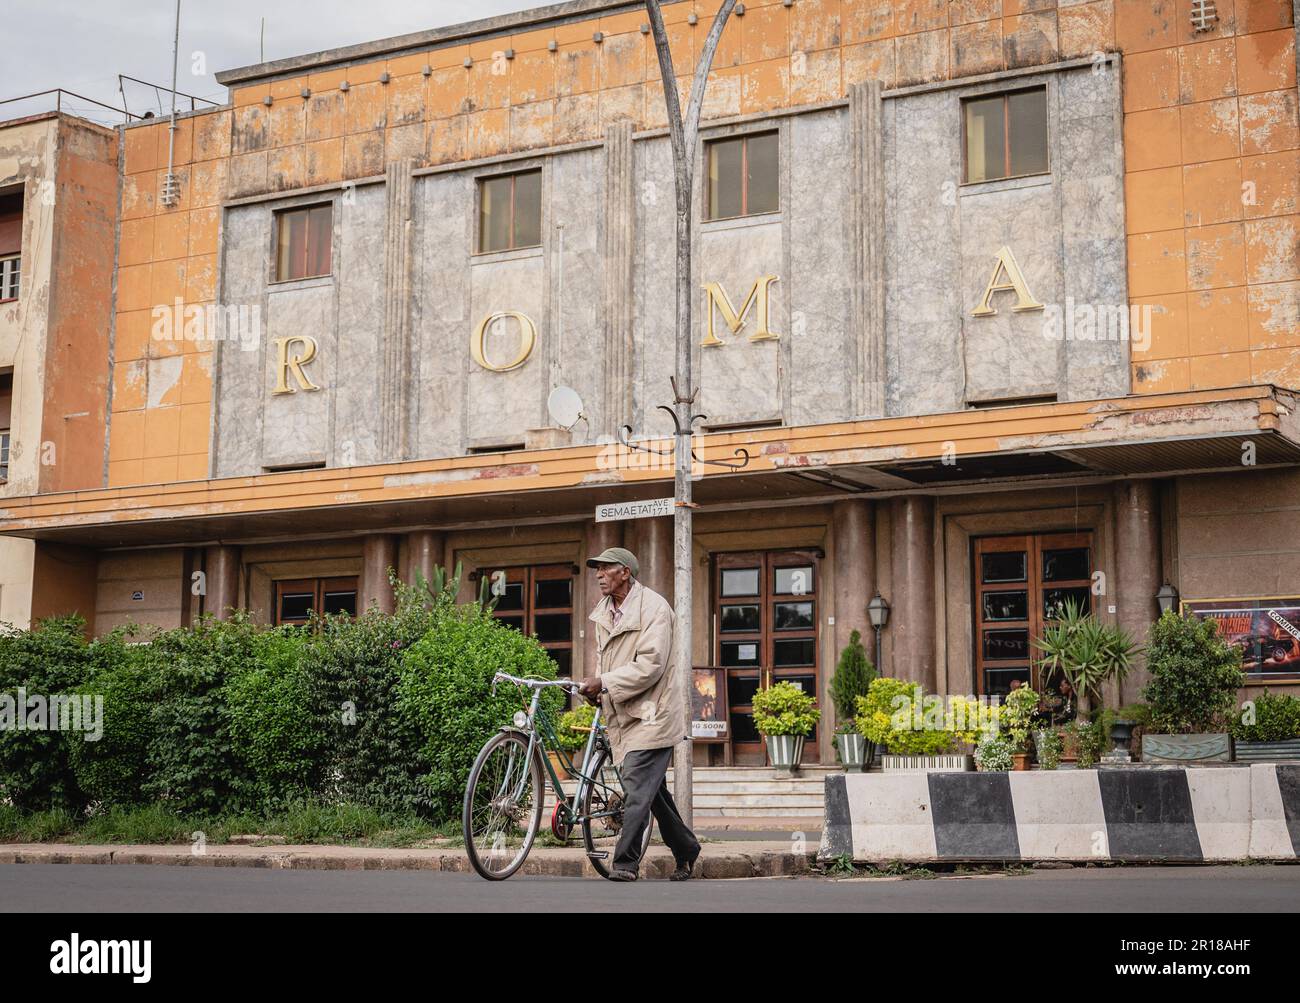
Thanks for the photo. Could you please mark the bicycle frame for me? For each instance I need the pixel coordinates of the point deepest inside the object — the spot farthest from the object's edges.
(542, 739)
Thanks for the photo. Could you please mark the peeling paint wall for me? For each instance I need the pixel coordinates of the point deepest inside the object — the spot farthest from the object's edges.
(1205, 115)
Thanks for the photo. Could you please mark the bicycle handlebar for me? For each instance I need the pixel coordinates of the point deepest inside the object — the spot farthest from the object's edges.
(567, 684)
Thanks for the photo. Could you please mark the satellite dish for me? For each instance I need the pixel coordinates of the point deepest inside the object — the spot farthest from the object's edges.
(565, 407)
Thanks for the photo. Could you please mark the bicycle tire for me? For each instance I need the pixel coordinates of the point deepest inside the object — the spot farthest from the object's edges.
(473, 850)
(603, 867)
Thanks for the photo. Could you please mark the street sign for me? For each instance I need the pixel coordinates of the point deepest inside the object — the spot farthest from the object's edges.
(616, 512)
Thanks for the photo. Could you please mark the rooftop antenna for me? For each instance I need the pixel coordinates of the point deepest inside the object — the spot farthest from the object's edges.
(171, 189)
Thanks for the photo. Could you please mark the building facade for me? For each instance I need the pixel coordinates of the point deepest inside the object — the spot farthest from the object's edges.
(59, 184)
(997, 308)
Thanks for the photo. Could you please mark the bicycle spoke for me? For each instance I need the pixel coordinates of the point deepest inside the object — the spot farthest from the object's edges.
(502, 806)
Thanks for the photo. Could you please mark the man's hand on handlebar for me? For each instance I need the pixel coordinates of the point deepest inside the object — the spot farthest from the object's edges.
(590, 689)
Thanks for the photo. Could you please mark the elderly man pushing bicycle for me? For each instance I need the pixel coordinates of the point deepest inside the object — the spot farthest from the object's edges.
(642, 708)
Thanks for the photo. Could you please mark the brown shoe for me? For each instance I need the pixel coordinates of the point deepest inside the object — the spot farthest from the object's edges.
(622, 875)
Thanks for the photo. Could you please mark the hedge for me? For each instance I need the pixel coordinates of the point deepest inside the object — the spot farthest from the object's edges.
(382, 711)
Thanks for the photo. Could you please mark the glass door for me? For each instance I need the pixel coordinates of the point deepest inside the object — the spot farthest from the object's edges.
(1021, 585)
(765, 609)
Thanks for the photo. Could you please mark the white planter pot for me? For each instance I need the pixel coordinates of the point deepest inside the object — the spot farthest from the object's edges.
(929, 764)
(785, 751)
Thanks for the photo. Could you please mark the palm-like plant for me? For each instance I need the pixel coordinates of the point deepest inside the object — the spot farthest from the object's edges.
(1087, 652)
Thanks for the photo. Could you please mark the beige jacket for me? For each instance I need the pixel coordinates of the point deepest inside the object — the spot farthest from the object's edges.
(641, 706)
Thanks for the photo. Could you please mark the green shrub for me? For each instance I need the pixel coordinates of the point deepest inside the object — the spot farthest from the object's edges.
(36, 773)
(354, 670)
(784, 709)
(1276, 718)
(1084, 651)
(1018, 712)
(852, 679)
(574, 727)
(112, 770)
(445, 699)
(193, 762)
(276, 740)
(1195, 675)
(887, 715)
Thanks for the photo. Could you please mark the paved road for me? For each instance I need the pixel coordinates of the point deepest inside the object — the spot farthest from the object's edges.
(90, 888)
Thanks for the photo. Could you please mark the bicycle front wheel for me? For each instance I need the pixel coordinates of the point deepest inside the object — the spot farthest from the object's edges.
(605, 798)
(503, 806)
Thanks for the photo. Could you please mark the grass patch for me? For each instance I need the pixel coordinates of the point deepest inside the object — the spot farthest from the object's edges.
(158, 824)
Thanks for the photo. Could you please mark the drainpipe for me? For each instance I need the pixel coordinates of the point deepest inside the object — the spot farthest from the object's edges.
(170, 192)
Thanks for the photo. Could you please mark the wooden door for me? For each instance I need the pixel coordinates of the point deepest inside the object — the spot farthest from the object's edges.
(1021, 585)
(766, 618)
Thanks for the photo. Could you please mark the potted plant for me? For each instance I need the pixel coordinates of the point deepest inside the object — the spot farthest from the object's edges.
(922, 732)
(1195, 675)
(1080, 655)
(1267, 729)
(785, 715)
(1048, 745)
(1018, 712)
(994, 753)
(852, 679)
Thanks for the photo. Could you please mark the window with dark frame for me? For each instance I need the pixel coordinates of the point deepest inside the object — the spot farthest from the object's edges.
(510, 211)
(537, 601)
(11, 245)
(1005, 135)
(744, 175)
(296, 601)
(6, 408)
(304, 243)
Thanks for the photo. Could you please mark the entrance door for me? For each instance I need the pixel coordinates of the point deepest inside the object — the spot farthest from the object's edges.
(765, 612)
(1021, 585)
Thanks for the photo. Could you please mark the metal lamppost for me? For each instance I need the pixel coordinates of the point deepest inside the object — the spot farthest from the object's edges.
(1167, 598)
(878, 611)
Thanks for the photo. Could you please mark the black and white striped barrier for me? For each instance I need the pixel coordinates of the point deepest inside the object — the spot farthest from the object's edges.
(1150, 814)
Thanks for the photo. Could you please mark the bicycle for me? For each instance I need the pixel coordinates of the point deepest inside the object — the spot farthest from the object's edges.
(505, 795)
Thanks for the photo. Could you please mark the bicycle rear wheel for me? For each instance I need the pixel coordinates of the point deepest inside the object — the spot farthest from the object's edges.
(600, 835)
(503, 806)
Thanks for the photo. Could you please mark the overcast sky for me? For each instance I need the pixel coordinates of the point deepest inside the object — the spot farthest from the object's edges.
(82, 45)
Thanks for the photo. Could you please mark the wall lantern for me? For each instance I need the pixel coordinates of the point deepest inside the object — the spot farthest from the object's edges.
(1167, 597)
(878, 611)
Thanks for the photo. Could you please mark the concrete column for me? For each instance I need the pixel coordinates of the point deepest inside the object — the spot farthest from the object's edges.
(600, 536)
(654, 549)
(394, 418)
(424, 551)
(221, 566)
(619, 248)
(911, 622)
(854, 530)
(1133, 586)
(378, 555)
(866, 119)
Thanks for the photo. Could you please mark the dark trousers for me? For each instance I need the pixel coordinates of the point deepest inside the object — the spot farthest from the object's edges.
(645, 791)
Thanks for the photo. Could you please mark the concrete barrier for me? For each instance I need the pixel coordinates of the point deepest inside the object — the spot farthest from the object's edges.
(1155, 814)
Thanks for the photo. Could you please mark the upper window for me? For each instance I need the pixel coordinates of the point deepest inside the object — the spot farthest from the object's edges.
(11, 245)
(744, 175)
(510, 212)
(1006, 135)
(304, 243)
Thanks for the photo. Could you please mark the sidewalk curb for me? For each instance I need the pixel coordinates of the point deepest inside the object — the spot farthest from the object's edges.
(734, 865)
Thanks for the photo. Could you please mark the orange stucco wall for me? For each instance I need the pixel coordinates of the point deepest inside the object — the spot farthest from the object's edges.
(1204, 114)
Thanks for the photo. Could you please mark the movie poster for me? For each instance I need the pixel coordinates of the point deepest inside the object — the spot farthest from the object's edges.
(709, 705)
(1266, 630)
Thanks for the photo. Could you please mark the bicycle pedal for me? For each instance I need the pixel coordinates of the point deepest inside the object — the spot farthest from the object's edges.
(598, 855)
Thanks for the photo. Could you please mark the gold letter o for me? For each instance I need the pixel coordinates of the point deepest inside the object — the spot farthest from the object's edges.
(527, 329)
